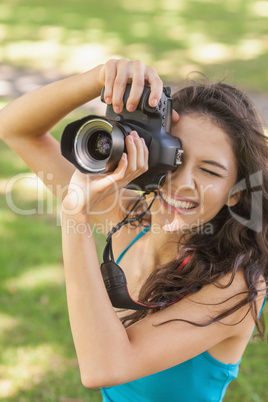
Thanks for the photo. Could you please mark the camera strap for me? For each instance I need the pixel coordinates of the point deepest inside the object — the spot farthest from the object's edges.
(114, 277)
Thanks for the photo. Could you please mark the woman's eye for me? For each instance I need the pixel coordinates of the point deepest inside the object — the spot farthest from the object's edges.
(210, 172)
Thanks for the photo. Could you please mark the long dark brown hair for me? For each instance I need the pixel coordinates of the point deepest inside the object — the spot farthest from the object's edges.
(240, 234)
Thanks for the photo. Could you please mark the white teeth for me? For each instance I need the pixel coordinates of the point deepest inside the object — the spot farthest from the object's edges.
(177, 203)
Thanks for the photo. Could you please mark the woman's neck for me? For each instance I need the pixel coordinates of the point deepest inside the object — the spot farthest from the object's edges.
(162, 247)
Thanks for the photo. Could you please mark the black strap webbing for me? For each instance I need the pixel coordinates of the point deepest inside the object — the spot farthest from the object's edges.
(114, 277)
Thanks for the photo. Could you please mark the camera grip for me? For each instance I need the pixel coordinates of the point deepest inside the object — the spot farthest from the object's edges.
(144, 100)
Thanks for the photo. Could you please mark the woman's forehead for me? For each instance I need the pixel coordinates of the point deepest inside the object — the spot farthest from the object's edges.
(202, 138)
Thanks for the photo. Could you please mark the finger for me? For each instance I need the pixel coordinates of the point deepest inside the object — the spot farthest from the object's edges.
(107, 182)
(132, 155)
(175, 117)
(120, 171)
(110, 74)
(146, 155)
(138, 161)
(122, 75)
(137, 85)
(140, 152)
(156, 85)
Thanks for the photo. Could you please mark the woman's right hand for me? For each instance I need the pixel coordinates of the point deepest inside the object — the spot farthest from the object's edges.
(115, 74)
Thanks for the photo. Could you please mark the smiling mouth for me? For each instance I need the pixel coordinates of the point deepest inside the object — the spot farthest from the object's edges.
(178, 204)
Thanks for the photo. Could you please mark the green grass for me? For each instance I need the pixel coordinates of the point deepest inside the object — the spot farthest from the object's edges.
(251, 384)
(37, 357)
(217, 37)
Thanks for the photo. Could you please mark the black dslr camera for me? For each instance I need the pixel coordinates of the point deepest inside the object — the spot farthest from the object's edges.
(94, 144)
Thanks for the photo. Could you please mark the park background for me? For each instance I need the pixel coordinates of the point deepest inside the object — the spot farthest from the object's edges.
(44, 41)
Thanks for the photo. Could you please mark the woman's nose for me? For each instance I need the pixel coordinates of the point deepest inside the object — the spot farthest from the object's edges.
(184, 177)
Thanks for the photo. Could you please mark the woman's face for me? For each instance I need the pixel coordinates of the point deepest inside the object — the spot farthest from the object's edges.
(200, 187)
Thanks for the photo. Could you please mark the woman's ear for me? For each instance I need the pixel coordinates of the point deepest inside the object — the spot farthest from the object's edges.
(233, 199)
(175, 117)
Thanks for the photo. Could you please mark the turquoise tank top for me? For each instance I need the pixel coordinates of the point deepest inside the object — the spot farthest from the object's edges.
(200, 379)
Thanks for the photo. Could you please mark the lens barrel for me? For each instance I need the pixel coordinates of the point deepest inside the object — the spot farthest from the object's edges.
(99, 145)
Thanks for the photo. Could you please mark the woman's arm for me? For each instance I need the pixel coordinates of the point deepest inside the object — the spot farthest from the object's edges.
(25, 125)
(35, 113)
(107, 353)
(25, 122)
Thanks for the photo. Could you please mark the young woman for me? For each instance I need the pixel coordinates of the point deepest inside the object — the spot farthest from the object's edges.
(201, 260)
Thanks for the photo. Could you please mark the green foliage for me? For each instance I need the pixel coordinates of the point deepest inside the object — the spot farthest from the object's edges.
(216, 37)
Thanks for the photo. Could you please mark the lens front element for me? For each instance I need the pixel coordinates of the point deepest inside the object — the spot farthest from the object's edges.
(103, 145)
(98, 145)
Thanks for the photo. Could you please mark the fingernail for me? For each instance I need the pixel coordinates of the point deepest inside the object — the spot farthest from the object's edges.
(108, 100)
(130, 108)
(154, 102)
(131, 139)
(117, 109)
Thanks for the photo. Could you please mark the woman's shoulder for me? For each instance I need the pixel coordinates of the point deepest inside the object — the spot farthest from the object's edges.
(237, 287)
(226, 301)
(232, 289)
(236, 290)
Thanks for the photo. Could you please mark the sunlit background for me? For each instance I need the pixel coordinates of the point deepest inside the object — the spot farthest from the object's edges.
(177, 36)
(44, 41)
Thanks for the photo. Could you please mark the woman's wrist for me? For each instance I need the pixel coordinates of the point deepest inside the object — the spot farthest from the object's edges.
(73, 205)
(92, 82)
(75, 223)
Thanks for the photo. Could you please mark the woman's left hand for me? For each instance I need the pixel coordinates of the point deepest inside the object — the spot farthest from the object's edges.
(86, 191)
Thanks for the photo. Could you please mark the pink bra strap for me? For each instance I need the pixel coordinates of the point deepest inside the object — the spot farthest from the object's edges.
(184, 262)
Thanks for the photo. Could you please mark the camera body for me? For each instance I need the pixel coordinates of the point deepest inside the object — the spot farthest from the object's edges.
(94, 144)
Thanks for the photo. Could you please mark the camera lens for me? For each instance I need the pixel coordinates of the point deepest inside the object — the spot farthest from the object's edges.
(98, 145)
(103, 145)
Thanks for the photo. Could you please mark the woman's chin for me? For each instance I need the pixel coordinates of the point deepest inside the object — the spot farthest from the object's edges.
(175, 225)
